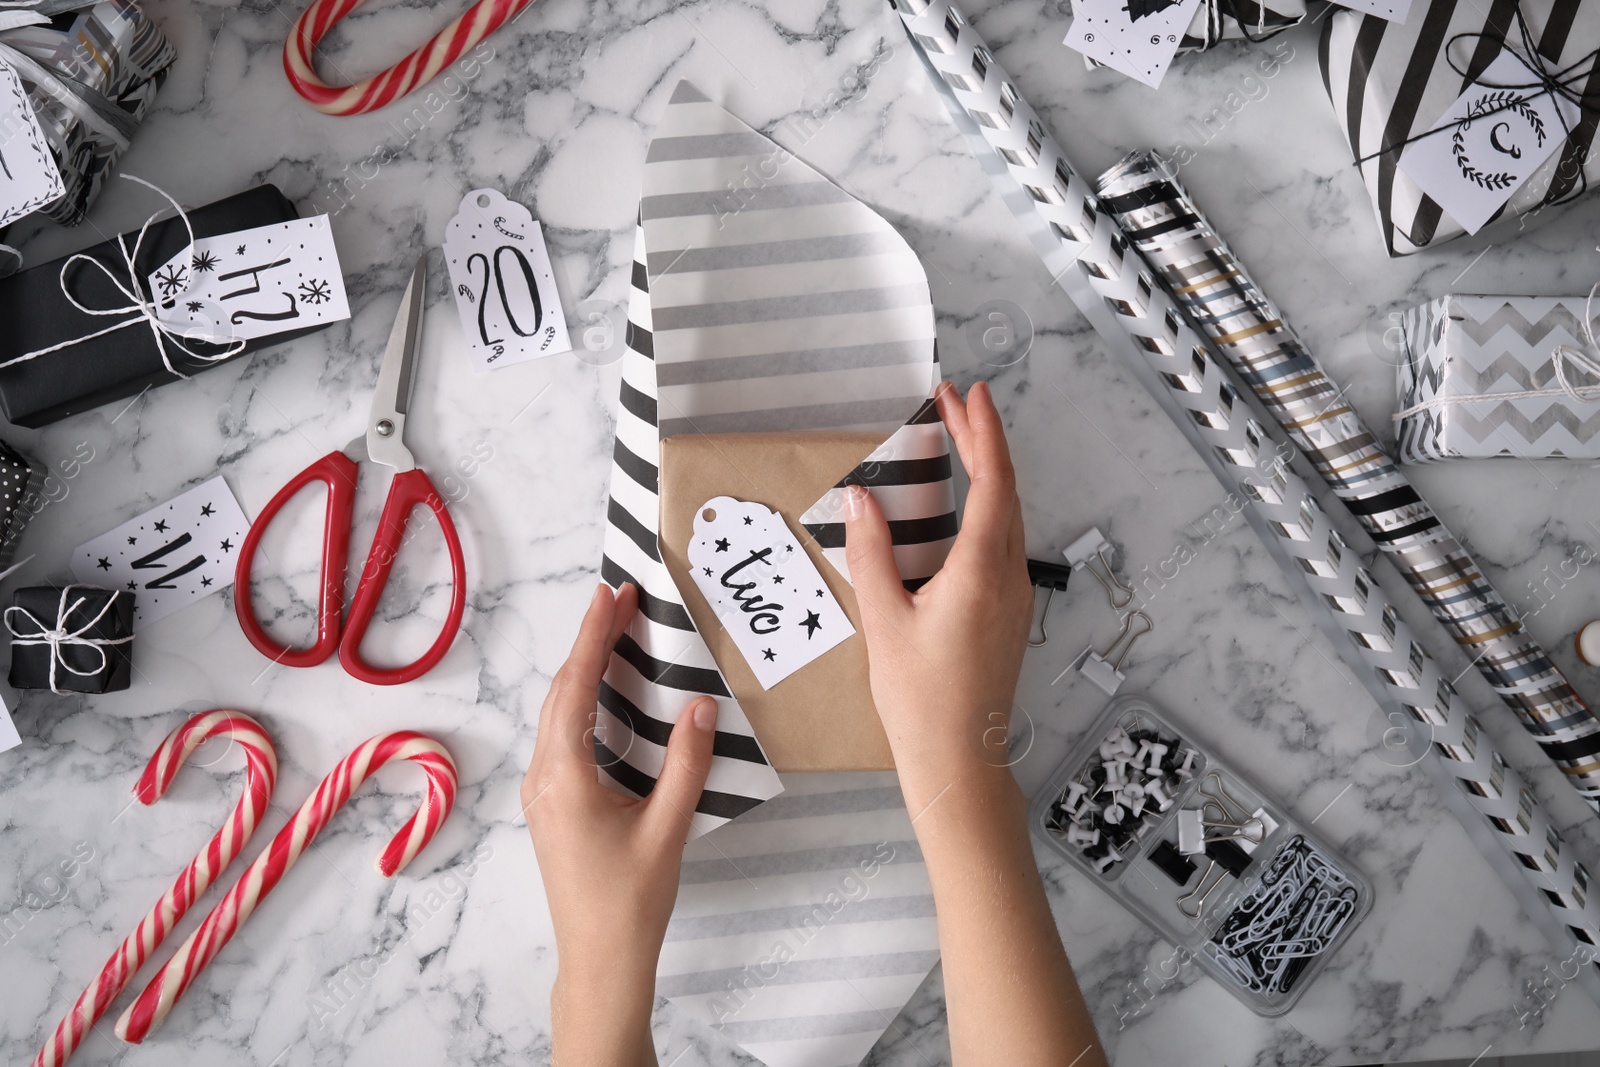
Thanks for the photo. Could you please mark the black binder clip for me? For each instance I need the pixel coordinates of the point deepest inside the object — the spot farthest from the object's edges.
(1051, 577)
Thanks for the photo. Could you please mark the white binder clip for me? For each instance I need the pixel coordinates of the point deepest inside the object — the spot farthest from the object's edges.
(1100, 668)
(1083, 552)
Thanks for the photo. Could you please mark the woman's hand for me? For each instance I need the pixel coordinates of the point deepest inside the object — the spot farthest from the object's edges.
(609, 863)
(945, 659)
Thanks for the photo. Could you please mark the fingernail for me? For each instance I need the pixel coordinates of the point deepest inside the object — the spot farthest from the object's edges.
(854, 501)
(598, 591)
(705, 714)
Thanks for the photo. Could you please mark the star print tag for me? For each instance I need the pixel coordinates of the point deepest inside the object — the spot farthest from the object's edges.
(504, 287)
(1136, 37)
(253, 283)
(172, 555)
(764, 588)
(1488, 143)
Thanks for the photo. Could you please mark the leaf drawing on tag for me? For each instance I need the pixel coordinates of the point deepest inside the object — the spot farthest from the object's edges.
(1487, 105)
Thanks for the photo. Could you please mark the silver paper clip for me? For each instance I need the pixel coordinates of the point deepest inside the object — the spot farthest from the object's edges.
(1100, 668)
(1092, 546)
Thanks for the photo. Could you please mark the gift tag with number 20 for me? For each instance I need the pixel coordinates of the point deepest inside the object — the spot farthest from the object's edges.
(504, 288)
(764, 588)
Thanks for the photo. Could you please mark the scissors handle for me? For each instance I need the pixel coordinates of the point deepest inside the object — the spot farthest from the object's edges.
(410, 489)
(338, 472)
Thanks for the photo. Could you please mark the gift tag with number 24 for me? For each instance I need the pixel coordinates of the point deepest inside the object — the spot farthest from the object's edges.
(504, 288)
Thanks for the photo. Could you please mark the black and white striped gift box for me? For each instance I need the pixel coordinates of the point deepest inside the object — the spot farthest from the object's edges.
(1390, 83)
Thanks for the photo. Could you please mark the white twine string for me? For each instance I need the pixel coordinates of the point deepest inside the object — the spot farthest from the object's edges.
(1561, 356)
(59, 635)
(138, 309)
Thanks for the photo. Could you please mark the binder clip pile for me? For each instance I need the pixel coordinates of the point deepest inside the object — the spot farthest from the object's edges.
(1092, 552)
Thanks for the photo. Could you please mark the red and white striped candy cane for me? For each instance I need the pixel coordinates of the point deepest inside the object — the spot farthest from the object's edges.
(261, 771)
(146, 1013)
(419, 68)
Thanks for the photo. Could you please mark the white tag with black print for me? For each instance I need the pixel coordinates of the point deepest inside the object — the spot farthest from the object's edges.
(29, 178)
(1390, 10)
(504, 287)
(1137, 37)
(764, 588)
(1488, 143)
(253, 283)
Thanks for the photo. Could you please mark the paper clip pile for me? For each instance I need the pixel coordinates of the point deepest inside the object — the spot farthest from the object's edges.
(1294, 914)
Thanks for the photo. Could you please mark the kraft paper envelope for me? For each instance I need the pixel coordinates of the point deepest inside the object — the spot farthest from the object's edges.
(765, 300)
(821, 718)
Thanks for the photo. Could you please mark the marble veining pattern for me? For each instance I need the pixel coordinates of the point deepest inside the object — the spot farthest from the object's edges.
(452, 961)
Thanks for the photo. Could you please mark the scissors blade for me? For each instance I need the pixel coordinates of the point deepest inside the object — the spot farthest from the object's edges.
(386, 426)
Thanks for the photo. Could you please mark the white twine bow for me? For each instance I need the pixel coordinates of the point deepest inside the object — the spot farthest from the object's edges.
(59, 635)
(1561, 357)
(139, 308)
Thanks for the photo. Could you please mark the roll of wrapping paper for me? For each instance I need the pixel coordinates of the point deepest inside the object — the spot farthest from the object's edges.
(1143, 194)
(1065, 221)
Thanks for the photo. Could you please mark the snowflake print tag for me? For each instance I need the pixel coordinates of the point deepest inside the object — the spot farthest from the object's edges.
(764, 588)
(1488, 143)
(504, 287)
(253, 283)
(170, 556)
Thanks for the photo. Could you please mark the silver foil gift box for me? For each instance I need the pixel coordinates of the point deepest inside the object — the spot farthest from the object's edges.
(1498, 376)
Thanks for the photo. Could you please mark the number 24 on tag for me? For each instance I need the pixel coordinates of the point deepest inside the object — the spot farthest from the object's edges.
(504, 287)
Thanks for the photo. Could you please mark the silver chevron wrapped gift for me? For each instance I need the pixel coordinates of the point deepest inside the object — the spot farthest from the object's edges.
(1483, 376)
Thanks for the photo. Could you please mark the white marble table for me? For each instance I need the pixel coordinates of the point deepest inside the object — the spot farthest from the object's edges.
(452, 962)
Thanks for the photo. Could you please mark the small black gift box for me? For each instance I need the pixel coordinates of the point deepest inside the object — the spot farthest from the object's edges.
(123, 362)
(71, 640)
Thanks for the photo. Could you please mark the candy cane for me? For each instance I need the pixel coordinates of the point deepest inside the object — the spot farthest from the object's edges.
(418, 68)
(146, 1013)
(261, 771)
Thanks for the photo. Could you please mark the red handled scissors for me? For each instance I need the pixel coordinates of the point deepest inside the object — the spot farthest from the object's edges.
(383, 443)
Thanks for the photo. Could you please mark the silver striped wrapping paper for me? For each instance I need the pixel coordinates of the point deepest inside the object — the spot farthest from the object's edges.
(1166, 226)
(1130, 309)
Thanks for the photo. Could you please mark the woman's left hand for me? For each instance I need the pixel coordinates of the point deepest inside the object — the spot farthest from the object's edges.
(609, 863)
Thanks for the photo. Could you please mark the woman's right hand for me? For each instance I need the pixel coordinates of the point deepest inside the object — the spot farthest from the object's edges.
(944, 660)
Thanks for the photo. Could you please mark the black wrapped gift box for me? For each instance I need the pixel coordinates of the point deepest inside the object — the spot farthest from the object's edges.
(30, 663)
(37, 315)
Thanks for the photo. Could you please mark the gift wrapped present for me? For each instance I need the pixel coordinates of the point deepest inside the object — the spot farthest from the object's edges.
(1396, 86)
(75, 639)
(19, 479)
(91, 69)
(57, 360)
(1499, 376)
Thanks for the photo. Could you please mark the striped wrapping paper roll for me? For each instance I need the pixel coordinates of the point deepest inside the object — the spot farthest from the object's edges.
(1508, 822)
(764, 298)
(1391, 82)
(1168, 229)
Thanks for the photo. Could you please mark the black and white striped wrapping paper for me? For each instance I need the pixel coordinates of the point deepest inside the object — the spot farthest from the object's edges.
(1390, 83)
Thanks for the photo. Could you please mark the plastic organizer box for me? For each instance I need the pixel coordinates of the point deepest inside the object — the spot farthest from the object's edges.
(1207, 860)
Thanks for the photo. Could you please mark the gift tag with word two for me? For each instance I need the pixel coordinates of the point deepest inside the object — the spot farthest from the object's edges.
(504, 287)
(764, 588)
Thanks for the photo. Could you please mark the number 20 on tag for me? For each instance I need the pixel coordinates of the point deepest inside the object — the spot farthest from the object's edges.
(504, 288)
